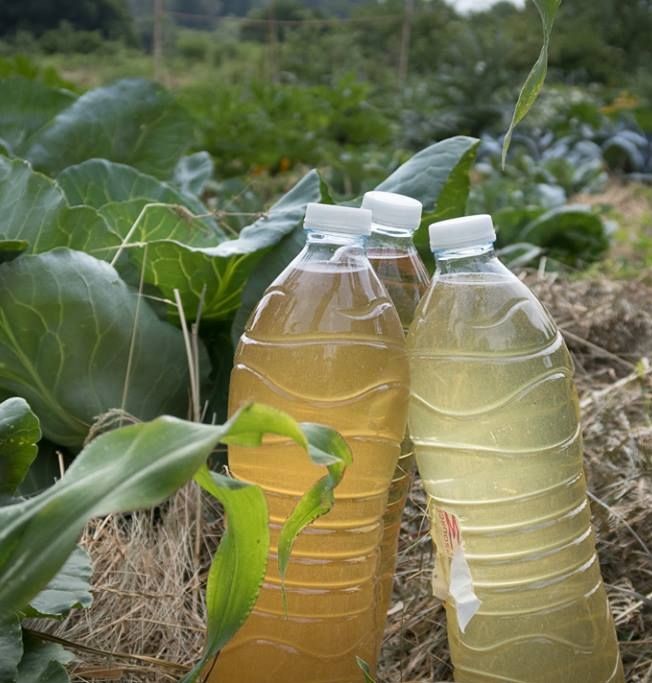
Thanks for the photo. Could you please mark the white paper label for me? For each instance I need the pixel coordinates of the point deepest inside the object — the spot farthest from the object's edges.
(451, 580)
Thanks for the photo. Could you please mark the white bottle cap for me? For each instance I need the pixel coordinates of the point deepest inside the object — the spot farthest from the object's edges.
(462, 232)
(393, 210)
(332, 218)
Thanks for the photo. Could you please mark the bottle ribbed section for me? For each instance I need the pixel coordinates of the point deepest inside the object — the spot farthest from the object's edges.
(347, 368)
(495, 422)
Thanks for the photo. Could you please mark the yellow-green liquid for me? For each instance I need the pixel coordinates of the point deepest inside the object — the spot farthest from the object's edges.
(326, 345)
(406, 280)
(495, 422)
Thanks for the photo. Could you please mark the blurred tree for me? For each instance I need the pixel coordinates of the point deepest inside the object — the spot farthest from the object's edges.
(195, 13)
(381, 37)
(279, 11)
(110, 17)
(238, 8)
(602, 39)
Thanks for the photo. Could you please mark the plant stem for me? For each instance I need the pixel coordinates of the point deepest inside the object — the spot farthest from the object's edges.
(162, 663)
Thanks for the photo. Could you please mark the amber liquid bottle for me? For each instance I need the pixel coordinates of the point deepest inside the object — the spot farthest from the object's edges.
(392, 253)
(325, 344)
(495, 421)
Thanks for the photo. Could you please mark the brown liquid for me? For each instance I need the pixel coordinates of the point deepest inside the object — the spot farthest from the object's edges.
(325, 345)
(406, 280)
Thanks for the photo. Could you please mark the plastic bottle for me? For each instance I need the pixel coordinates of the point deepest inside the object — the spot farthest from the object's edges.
(392, 253)
(495, 421)
(325, 344)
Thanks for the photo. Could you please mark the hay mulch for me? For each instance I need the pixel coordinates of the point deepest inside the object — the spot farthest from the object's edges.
(149, 567)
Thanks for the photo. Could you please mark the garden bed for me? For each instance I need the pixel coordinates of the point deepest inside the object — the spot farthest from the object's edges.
(147, 585)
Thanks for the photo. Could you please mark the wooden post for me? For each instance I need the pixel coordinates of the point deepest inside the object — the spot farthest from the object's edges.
(158, 39)
(406, 34)
(272, 42)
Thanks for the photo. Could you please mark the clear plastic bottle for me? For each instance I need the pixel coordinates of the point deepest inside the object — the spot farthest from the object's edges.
(392, 253)
(495, 421)
(326, 345)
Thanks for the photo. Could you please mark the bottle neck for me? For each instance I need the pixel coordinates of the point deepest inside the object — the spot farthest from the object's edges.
(333, 247)
(385, 237)
(471, 259)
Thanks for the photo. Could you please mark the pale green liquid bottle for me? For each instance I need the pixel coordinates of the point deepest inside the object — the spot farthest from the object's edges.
(397, 263)
(495, 421)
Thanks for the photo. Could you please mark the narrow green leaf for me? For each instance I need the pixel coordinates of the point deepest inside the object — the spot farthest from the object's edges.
(130, 468)
(67, 345)
(244, 427)
(534, 81)
(19, 433)
(238, 567)
(11, 647)
(325, 191)
(132, 121)
(70, 588)
(368, 678)
(43, 662)
(326, 448)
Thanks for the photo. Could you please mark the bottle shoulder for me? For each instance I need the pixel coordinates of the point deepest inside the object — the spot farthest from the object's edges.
(316, 298)
(482, 312)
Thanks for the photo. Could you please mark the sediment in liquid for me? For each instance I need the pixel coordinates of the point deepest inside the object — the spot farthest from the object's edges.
(325, 345)
(495, 421)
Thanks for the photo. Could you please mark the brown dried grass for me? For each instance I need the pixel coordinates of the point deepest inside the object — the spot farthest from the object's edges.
(148, 574)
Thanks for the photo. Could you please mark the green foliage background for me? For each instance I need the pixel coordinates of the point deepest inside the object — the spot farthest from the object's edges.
(128, 209)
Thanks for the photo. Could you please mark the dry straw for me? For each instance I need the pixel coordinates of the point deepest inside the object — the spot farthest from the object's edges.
(147, 583)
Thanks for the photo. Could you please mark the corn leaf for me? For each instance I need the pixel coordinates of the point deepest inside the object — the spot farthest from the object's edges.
(238, 567)
(140, 466)
(364, 667)
(329, 449)
(241, 558)
(534, 81)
